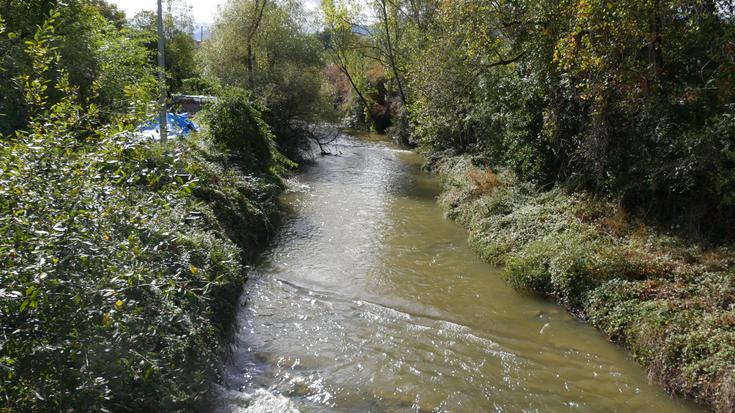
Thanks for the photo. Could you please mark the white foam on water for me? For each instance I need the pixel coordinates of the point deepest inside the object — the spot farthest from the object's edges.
(257, 401)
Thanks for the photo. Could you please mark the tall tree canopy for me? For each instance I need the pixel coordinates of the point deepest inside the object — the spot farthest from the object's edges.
(630, 99)
(103, 58)
(264, 47)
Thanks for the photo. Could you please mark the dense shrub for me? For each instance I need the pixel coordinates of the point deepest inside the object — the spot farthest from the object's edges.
(613, 98)
(682, 329)
(121, 259)
(117, 280)
(236, 124)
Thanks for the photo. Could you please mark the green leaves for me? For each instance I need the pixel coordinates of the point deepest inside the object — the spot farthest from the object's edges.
(117, 271)
(99, 269)
(619, 98)
(286, 71)
(235, 123)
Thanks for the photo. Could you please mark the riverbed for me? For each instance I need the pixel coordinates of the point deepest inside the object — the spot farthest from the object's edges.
(369, 300)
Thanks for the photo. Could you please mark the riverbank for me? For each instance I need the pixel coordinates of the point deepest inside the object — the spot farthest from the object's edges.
(123, 261)
(671, 303)
(368, 300)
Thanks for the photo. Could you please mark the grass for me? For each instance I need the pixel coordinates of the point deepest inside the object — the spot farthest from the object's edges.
(671, 302)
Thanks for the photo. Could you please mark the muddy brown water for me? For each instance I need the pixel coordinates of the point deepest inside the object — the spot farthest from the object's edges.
(369, 300)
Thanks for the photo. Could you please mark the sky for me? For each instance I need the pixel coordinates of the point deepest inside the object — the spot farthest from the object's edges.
(203, 11)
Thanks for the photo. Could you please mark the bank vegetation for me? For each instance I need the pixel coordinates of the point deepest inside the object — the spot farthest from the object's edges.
(122, 258)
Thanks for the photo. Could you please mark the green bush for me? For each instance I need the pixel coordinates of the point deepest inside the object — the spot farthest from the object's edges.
(121, 272)
(509, 218)
(683, 330)
(563, 265)
(118, 285)
(236, 124)
(199, 86)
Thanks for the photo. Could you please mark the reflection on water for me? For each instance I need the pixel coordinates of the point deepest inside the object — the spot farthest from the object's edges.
(370, 301)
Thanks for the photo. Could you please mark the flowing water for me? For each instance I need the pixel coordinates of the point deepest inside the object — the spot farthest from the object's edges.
(370, 301)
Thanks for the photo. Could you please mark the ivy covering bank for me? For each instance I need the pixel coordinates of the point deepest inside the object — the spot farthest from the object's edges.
(670, 302)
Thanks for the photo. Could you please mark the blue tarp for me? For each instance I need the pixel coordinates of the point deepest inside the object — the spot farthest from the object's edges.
(177, 125)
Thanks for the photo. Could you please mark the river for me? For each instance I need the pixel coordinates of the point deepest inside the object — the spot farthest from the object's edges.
(369, 300)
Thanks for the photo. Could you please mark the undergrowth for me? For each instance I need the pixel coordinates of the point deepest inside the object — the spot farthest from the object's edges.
(121, 259)
(670, 302)
(121, 272)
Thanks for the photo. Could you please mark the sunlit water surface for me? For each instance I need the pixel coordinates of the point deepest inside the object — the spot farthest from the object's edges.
(370, 301)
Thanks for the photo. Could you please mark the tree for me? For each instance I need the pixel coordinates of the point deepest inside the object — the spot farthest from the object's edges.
(255, 17)
(391, 36)
(100, 56)
(620, 98)
(347, 49)
(265, 47)
(180, 46)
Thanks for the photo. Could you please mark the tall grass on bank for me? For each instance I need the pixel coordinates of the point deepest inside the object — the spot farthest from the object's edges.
(670, 302)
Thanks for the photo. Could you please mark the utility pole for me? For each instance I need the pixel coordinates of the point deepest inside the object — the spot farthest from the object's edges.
(161, 76)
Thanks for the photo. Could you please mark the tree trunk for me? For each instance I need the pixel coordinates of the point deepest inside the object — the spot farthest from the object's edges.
(357, 90)
(251, 81)
(391, 53)
(252, 30)
(655, 55)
